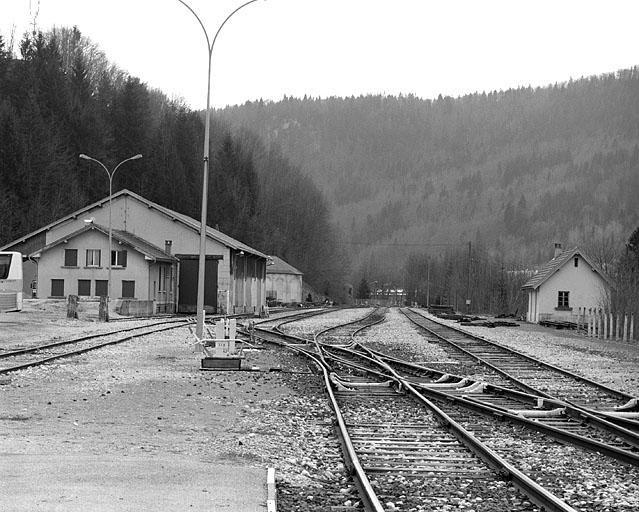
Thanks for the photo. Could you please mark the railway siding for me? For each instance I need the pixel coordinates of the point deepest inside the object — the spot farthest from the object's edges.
(531, 374)
(615, 364)
(586, 480)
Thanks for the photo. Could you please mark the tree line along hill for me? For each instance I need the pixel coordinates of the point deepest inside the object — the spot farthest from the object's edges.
(513, 171)
(60, 96)
(324, 183)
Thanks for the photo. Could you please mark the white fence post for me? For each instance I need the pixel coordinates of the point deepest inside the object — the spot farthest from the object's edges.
(599, 324)
(632, 327)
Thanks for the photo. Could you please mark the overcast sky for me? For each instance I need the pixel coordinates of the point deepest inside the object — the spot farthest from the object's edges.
(327, 48)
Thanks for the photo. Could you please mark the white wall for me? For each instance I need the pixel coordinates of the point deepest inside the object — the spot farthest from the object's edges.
(287, 286)
(131, 215)
(587, 290)
(51, 266)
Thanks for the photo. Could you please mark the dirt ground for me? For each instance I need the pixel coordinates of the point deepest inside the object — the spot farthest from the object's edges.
(135, 426)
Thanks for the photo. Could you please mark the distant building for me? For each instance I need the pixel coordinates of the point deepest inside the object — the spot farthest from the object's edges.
(388, 296)
(568, 283)
(283, 282)
(154, 259)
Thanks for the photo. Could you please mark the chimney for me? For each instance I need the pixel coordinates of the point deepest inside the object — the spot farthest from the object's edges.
(558, 250)
(167, 246)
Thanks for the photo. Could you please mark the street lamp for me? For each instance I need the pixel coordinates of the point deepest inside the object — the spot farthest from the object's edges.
(110, 175)
(199, 328)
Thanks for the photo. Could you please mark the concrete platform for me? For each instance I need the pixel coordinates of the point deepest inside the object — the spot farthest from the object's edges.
(81, 482)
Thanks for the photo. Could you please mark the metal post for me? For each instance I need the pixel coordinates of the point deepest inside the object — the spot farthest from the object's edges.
(468, 281)
(110, 242)
(427, 282)
(110, 174)
(199, 328)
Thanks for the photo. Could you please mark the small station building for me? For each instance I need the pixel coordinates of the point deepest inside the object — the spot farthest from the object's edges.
(283, 282)
(569, 284)
(154, 259)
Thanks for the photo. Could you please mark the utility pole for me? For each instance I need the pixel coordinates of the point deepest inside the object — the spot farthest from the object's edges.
(427, 281)
(468, 282)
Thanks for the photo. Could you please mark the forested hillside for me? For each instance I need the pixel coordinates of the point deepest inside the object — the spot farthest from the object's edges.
(61, 97)
(512, 171)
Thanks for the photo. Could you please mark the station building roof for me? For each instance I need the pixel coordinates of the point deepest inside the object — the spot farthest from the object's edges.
(126, 239)
(547, 270)
(279, 266)
(187, 221)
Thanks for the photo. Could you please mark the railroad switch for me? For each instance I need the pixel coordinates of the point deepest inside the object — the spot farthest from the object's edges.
(220, 352)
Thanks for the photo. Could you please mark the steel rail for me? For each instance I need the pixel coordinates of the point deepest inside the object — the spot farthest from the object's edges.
(602, 421)
(360, 320)
(366, 491)
(303, 316)
(555, 432)
(598, 421)
(13, 353)
(491, 410)
(507, 350)
(364, 327)
(42, 361)
(294, 315)
(536, 493)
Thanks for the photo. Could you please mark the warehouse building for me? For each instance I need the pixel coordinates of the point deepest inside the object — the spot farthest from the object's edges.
(283, 282)
(154, 259)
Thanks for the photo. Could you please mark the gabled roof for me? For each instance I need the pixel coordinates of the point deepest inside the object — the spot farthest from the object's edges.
(279, 266)
(173, 215)
(147, 249)
(548, 270)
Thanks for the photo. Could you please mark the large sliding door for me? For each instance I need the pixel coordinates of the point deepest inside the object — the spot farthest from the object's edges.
(187, 286)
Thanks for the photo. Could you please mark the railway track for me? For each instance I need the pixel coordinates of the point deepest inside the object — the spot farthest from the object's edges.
(532, 375)
(553, 418)
(20, 359)
(290, 317)
(412, 454)
(404, 451)
(344, 333)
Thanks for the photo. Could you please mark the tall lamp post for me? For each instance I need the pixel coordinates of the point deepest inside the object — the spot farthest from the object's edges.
(110, 175)
(199, 328)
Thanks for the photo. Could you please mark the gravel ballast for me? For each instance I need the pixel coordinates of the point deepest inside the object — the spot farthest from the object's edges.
(145, 404)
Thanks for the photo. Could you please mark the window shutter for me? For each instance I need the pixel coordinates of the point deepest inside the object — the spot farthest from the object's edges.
(70, 257)
(123, 260)
(57, 287)
(128, 289)
(84, 287)
(101, 287)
